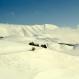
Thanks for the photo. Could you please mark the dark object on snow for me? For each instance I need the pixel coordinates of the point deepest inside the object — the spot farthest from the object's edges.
(67, 44)
(36, 45)
(44, 46)
(33, 49)
(1, 37)
(32, 43)
(70, 44)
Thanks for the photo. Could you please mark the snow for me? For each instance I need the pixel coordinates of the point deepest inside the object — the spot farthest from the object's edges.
(58, 61)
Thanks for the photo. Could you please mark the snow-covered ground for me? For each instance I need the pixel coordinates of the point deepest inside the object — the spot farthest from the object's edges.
(60, 60)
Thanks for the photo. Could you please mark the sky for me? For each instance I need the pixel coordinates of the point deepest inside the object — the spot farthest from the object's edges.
(59, 12)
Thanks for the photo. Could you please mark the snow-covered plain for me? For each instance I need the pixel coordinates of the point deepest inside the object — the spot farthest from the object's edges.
(60, 60)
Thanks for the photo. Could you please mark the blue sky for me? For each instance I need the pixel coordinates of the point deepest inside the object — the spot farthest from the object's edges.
(59, 12)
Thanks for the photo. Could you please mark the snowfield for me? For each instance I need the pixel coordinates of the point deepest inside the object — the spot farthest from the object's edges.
(18, 60)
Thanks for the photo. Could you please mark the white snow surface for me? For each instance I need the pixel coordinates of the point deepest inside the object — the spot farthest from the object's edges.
(60, 60)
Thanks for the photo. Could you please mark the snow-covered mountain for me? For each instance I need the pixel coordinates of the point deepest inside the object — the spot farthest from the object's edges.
(38, 52)
(27, 30)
